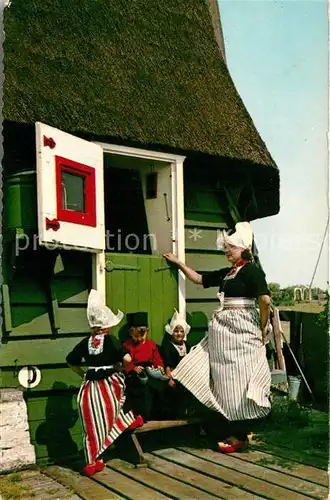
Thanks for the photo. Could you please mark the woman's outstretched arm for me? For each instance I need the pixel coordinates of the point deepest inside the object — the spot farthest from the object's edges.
(187, 271)
(264, 308)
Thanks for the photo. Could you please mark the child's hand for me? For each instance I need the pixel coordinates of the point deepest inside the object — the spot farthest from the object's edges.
(161, 369)
(138, 369)
(172, 383)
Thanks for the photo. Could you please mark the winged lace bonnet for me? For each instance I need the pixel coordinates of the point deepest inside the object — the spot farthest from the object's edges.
(242, 237)
(177, 320)
(98, 314)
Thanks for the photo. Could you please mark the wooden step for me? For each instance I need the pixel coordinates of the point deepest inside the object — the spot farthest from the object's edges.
(213, 486)
(289, 467)
(258, 471)
(160, 482)
(86, 488)
(230, 475)
(127, 487)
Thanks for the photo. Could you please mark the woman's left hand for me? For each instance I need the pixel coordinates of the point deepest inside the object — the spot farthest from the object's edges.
(265, 334)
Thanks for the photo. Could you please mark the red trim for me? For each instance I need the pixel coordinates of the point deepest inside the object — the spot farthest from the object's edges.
(87, 218)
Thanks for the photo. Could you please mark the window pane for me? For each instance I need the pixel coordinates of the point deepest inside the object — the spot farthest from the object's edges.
(73, 192)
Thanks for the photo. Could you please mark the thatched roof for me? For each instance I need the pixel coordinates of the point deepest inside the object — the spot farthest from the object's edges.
(148, 71)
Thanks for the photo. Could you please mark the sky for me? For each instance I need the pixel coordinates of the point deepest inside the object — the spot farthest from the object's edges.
(277, 55)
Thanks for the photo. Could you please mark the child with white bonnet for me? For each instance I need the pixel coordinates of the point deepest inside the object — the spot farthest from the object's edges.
(177, 347)
(175, 400)
(102, 393)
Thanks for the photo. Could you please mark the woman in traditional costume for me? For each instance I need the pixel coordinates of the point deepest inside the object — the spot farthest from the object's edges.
(228, 370)
(101, 396)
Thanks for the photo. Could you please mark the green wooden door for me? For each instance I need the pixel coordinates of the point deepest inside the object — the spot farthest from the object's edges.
(142, 283)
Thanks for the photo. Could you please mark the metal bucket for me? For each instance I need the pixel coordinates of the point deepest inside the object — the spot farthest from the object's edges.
(294, 386)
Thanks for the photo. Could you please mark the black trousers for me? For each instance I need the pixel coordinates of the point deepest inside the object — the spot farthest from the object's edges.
(144, 399)
(175, 401)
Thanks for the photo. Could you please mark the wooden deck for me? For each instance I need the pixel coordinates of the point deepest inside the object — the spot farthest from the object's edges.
(202, 474)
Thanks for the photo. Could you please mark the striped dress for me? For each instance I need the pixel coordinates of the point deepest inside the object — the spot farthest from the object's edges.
(228, 370)
(101, 396)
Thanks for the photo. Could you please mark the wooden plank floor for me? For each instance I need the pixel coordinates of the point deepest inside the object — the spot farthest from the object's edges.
(200, 474)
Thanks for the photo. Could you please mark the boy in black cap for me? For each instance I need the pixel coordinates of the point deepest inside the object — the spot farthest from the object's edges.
(144, 353)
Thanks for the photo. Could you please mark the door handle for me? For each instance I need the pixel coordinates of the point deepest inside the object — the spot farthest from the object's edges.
(110, 266)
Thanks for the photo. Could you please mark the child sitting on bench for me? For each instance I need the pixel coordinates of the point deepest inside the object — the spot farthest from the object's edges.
(174, 348)
(142, 377)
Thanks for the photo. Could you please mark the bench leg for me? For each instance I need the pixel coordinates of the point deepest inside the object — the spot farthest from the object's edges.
(142, 461)
(129, 449)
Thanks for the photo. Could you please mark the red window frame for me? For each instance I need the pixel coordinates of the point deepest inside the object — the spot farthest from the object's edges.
(87, 218)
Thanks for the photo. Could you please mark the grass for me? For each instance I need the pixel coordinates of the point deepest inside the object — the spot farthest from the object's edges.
(301, 433)
(11, 487)
(307, 307)
(52, 491)
(16, 486)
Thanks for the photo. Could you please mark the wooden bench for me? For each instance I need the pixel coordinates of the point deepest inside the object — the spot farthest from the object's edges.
(156, 425)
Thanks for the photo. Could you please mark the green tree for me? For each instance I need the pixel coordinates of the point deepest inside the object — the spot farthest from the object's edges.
(287, 296)
(281, 296)
(323, 318)
(275, 292)
(274, 287)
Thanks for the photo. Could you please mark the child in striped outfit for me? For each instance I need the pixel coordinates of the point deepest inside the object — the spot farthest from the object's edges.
(102, 393)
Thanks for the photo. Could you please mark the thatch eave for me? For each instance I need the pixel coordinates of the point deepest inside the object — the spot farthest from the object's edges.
(143, 72)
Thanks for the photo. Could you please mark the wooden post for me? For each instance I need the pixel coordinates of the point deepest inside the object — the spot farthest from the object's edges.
(98, 273)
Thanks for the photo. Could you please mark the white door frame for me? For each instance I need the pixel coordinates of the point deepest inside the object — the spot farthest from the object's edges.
(178, 235)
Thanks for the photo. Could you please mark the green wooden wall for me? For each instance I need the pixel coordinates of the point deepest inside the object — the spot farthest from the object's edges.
(206, 211)
(133, 283)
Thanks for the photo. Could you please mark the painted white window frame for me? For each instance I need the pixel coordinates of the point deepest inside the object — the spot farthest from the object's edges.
(177, 209)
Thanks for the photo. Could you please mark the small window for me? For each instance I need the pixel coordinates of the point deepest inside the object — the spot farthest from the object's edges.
(73, 192)
(75, 189)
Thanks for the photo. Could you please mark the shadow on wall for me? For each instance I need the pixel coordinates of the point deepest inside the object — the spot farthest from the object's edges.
(123, 333)
(199, 323)
(61, 416)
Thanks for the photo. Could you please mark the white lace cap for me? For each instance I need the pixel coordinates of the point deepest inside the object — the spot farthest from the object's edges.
(177, 320)
(98, 314)
(242, 237)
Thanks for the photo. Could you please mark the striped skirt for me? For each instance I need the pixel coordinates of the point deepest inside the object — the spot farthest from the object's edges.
(228, 370)
(100, 405)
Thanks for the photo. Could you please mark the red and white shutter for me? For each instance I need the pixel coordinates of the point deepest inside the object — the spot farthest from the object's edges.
(70, 191)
